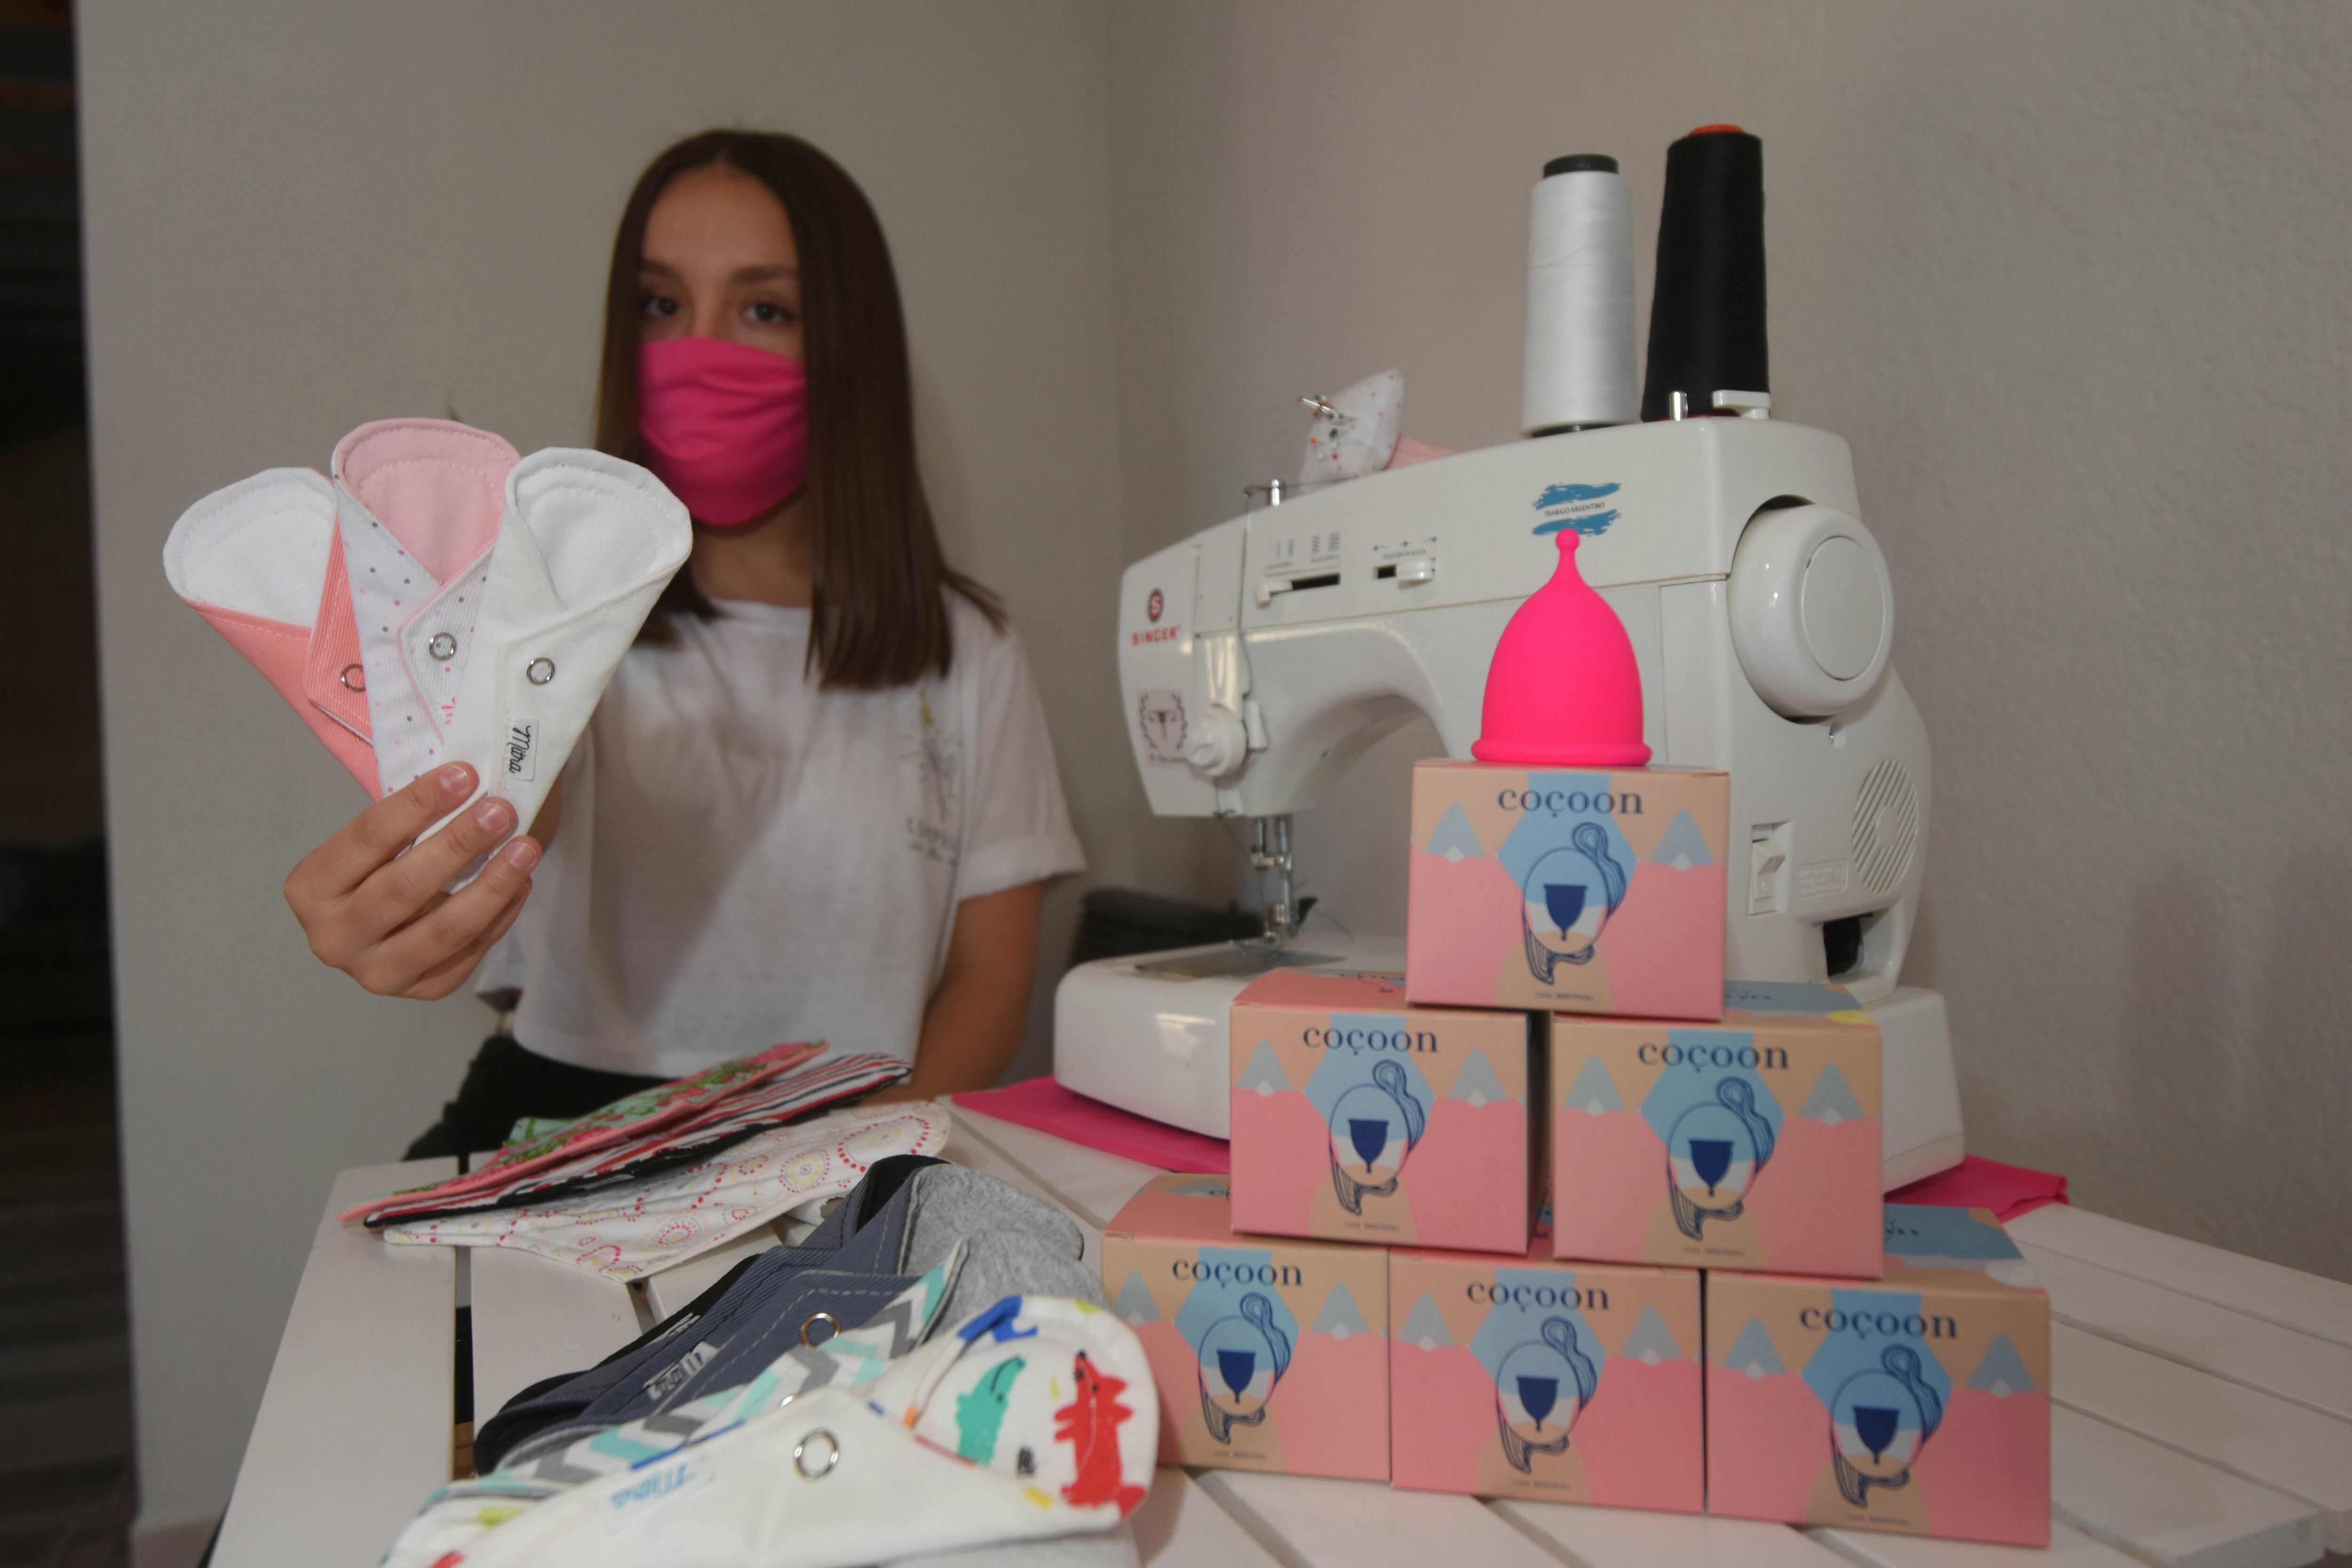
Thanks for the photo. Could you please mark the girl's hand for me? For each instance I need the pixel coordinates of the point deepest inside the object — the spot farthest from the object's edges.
(380, 916)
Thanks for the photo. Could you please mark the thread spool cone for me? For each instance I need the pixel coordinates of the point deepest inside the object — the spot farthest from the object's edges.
(1706, 309)
(1563, 689)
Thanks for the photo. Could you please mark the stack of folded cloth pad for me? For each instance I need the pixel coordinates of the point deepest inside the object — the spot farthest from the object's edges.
(435, 597)
(674, 1170)
(929, 1376)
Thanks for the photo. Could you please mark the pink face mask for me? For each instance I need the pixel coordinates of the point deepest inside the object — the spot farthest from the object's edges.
(725, 426)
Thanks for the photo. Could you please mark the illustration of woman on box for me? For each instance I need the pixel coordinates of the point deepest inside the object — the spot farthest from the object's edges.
(1374, 1128)
(1713, 1155)
(1241, 1358)
(1566, 900)
(1540, 1388)
(1879, 1420)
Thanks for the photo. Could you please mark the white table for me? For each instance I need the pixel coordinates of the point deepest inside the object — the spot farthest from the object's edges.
(2202, 1408)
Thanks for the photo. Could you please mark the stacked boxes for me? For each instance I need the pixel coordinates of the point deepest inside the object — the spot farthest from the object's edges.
(1723, 1313)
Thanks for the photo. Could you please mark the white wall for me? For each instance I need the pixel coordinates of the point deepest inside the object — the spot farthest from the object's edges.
(2066, 277)
(300, 217)
(2070, 279)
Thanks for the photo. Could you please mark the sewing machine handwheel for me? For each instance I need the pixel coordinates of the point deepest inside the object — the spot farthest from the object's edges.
(1812, 610)
(1220, 742)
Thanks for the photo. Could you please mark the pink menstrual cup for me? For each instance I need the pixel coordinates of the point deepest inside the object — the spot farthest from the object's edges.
(1563, 689)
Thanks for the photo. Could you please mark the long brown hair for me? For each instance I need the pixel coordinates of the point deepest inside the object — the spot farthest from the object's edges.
(880, 617)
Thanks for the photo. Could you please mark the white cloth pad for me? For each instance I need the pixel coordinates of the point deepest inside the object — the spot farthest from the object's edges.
(417, 502)
(586, 547)
(1036, 1418)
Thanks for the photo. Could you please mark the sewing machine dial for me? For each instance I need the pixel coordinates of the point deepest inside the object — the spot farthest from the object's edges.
(1812, 610)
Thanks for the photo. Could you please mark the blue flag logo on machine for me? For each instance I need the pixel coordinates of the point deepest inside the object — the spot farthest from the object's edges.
(1584, 508)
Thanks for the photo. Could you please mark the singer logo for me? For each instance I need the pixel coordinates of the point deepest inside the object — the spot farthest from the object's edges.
(1153, 608)
(1580, 507)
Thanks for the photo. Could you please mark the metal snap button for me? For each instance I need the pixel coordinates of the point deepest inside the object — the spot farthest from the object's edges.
(832, 1327)
(353, 678)
(812, 1462)
(541, 671)
(442, 646)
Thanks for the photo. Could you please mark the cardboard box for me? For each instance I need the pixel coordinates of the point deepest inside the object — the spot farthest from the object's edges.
(1567, 892)
(1569, 1383)
(1753, 1144)
(1359, 1119)
(1919, 1404)
(1267, 1355)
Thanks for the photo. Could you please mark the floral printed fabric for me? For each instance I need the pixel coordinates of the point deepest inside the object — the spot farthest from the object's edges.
(653, 1149)
(633, 1230)
(635, 1116)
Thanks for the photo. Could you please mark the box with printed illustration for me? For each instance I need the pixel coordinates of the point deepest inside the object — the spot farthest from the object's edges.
(1751, 1143)
(1267, 1355)
(1567, 1383)
(1357, 1118)
(1918, 1404)
(1567, 891)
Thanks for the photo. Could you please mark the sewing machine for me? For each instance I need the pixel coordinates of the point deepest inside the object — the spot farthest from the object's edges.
(1261, 657)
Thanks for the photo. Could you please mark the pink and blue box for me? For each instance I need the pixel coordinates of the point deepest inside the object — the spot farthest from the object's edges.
(1568, 890)
(1270, 1355)
(1752, 1143)
(1357, 1118)
(1531, 1378)
(1917, 1403)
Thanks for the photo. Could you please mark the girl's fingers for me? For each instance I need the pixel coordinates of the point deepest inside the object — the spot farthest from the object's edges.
(426, 944)
(444, 978)
(398, 894)
(375, 836)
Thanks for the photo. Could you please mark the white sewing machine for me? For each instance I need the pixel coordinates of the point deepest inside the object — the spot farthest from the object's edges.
(1263, 656)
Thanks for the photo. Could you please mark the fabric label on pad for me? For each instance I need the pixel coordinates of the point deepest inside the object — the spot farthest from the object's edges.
(522, 751)
(673, 1377)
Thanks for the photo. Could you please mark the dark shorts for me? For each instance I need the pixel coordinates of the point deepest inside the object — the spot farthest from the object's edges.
(505, 1083)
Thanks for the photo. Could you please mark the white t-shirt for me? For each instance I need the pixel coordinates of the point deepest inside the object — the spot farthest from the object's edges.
(744, 859)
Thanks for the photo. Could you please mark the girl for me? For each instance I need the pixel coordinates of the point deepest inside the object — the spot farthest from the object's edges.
(818, 800)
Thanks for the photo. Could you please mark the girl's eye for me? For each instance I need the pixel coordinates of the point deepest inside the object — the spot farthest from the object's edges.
(656, 306)
(768, 314)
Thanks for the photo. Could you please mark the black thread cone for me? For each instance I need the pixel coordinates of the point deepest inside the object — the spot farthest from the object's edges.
(1707, 313)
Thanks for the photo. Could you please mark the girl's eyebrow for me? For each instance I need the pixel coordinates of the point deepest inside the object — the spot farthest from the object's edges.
(779, 271)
